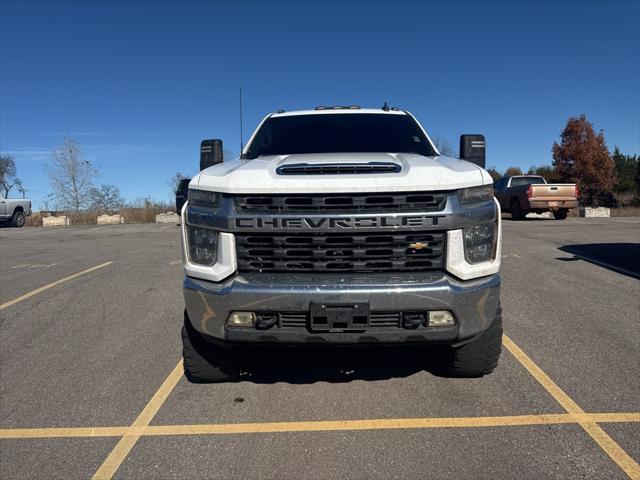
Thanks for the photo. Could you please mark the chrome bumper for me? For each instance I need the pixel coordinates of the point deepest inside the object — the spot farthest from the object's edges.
(473, 302)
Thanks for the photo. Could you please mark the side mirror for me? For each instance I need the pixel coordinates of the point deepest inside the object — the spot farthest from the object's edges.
(472, 149)
(210, 153)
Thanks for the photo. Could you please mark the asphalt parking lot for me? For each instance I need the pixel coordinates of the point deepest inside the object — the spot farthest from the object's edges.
(91, 381)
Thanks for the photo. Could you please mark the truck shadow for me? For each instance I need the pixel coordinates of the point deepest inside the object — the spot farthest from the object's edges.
(622, 258)
(306, 365)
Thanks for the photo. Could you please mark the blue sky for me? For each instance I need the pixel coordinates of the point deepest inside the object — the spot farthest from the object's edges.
(139, 84)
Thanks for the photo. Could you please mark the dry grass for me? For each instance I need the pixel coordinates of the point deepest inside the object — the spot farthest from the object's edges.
(133, 214)
(142, 215)
(625, 212)
(34, 220)
(88, 218)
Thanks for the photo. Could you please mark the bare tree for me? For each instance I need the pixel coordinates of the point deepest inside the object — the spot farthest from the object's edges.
(71, 177)
(106, 198)
(20, 188)
(8, 172)
(444, 146)
(174, 182)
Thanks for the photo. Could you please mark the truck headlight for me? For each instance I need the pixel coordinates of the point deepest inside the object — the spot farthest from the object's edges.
(476, 194)
(204, 198)
(203, 245)
(479, 242)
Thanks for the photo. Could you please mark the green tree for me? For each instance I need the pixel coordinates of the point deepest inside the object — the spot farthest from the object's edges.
(511, 171)
(495, 174)
(546, 171)
(626, 171)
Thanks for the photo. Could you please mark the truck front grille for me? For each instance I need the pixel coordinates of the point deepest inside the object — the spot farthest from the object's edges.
(318, 203)
(339, 252)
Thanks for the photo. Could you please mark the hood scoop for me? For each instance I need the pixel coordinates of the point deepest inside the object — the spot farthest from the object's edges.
(338, 168)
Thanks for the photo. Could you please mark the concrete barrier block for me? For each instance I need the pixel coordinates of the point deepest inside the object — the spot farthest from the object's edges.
(592, 212)
(540, 215)
(167, 217)
(110, 219)
(62, 221)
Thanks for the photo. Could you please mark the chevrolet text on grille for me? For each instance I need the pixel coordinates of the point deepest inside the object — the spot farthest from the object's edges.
(304, 223)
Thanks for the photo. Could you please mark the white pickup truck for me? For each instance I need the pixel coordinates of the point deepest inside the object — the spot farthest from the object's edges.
(14, 210)
(341, 226)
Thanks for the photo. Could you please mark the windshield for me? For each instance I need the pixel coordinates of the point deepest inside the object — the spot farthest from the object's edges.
(341, 132)
(517, 181)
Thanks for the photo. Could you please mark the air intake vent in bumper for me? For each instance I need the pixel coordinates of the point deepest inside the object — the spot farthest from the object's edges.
(377, 319)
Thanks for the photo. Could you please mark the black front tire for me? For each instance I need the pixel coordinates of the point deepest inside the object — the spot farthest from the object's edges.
(18, 219)
(205, 362)
(479, 357)
(560, 214)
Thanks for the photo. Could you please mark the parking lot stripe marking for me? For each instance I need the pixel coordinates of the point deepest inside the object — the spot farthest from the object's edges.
(63, 432)
(375, 424)
(318, 426)
(608, 444)
(51, 285)
(126, 443)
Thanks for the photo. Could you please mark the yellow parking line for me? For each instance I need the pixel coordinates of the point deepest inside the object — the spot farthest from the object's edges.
(51, 285)
(380, 424)
(130, 435)
(617, 454)
(126, 443)
(6, 433)
(319, 426)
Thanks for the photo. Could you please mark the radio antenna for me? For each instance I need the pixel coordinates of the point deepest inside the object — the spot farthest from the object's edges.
(241, 142)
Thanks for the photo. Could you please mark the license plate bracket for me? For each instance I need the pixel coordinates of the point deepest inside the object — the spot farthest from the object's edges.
(339, 317)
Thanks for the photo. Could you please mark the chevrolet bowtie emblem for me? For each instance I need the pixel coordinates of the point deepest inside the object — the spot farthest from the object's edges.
(418, 245)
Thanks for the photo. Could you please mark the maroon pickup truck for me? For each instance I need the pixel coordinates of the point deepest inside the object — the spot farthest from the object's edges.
(522, 194)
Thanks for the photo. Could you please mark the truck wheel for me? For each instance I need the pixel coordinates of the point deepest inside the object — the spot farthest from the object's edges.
(205, 362)
(479, 357)
(516, 210)
(560, 214)
(18, 219)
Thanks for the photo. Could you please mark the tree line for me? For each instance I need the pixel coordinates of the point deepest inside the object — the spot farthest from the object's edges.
(582, 157)
(73, 182)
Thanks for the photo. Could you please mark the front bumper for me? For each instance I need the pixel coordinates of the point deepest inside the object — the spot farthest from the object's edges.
(473, 302)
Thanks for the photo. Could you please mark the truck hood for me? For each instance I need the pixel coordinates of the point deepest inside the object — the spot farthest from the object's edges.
(417, 173)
